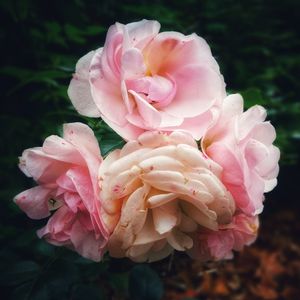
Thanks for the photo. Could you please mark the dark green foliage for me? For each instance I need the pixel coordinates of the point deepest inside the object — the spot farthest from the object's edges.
(108, 139)
(144, 284)
(256, 44)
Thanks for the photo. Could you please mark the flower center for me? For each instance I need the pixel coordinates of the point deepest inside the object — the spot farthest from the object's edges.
(156, 90)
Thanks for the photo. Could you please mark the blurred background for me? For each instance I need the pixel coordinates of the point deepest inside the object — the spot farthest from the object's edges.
(256, 43)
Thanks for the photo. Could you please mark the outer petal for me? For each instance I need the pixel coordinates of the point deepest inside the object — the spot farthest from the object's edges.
(34, 202)
(170, 50)
(84, 140)
(138, 34)
(41, 167)
(79, 90)
(106, 89)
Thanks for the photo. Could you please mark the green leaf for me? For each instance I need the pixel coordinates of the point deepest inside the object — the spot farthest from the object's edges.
(56, 280)
(94, 30)
(145, 284)
(253, 96)
(119, 282)
(109, 144)
(19, 273)
(74, 34)
(45, 249)
(87, 292)
(26, 292)
(107, 138)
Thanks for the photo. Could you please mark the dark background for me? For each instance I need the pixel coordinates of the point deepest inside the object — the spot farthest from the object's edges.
(255, 42)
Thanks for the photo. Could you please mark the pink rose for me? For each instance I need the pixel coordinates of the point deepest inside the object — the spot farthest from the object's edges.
(156, 192)
(217, 245)
(145, 80)
(241, 143)
(66, 171)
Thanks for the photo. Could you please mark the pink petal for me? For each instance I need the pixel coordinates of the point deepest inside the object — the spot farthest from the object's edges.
(264, 132)
(41, 166)
(129, 102)
(106, 96)
(198, 88)
(138, 34)
(225, 157)
(170, 50)
(255, 152)
(232, 106)
(57, 229)
(249, 119)
(106, 64)
(34, 202)
(132, 63)
(85, 242)
(84, 140)
(83, 185)
(79, 90)
(270, 185)
(196, 126)
(268, 168)
(170, 122)
(151, 117)
(161, 90)
(65, 183)
(72, 200)
(128, 131)
(178, 137)
(221, 244)
(153, 139)
(57, 148)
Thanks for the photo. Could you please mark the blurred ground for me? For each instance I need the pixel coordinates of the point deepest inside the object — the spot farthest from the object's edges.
(269, 269)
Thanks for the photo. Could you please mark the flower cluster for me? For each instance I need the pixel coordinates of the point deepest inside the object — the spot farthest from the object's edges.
(163, 190)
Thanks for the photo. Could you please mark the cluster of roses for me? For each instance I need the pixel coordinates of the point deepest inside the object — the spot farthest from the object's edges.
(161, 191)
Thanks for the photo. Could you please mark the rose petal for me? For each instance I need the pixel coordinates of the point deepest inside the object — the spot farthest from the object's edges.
(79, 90)
(166, 217)
(197, 85)
(34, 202)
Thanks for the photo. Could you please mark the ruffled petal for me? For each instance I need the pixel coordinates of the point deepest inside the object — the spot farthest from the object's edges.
(34, 202)
(79, 90)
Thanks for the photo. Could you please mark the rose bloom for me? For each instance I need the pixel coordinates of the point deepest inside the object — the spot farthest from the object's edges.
(157, 192)
(145, 80)
(242, 144)
(66, 171)
(218, 245)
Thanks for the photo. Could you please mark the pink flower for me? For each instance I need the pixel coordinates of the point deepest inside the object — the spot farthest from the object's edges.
(241, 143)
(66, 171)
(145, 80)
(217, 245)
(157, 192)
